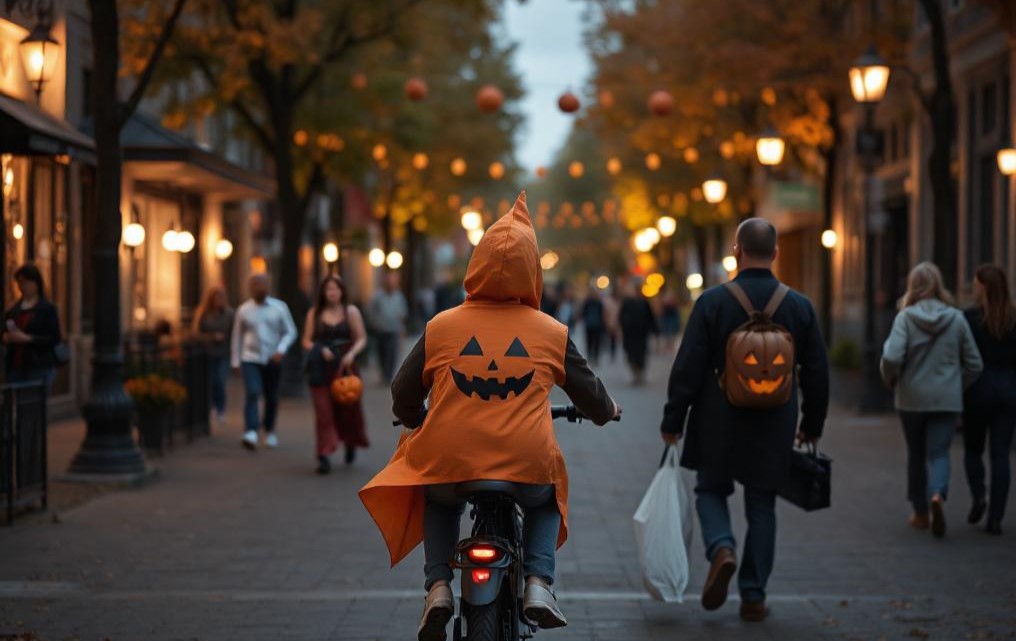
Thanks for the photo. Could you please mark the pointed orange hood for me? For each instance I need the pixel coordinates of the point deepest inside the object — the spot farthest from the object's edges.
(506, 263)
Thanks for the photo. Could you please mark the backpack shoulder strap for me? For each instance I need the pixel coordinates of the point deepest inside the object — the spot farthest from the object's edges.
(776, 300)
(741, 297)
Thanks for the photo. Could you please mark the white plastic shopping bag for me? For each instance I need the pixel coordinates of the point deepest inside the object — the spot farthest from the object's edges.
(663, 530)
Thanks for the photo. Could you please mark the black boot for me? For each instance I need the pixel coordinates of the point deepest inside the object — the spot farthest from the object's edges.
(324, 466)
(350, 455)
(977, 511)
(994, 527)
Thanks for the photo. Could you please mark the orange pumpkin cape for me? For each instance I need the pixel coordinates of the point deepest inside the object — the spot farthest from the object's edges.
(490, 366)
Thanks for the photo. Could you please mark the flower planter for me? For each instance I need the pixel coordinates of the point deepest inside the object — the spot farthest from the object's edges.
(154, 427)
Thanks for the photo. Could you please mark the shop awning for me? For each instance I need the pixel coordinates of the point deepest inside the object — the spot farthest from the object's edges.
(159, 155)
(27, 130)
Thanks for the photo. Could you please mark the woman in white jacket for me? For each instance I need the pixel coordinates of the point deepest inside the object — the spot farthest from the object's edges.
(929, 358)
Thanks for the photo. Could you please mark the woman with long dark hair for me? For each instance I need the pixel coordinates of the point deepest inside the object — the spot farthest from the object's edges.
(214, 322)
(929, 359)
(334, 335)
(989, 412)
(32, 330)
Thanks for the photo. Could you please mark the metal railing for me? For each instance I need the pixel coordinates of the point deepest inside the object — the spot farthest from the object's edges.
(24, 470)
(185, 361)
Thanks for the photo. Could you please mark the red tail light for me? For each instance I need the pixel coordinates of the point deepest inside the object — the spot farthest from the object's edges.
(484, 554)
(481, 576)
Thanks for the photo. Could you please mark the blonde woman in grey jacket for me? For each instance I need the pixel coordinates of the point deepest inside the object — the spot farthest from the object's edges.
(929, 358)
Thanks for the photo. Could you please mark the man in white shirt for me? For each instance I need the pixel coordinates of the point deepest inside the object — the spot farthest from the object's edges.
(263, 329)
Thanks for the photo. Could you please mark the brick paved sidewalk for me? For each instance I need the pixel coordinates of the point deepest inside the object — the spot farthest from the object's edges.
(232, 545)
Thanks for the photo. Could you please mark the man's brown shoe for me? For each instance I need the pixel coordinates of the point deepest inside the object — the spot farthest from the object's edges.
(714, 594)
(754, 611)
(919, 521)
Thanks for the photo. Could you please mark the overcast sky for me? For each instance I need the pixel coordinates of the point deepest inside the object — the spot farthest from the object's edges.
(550, 58)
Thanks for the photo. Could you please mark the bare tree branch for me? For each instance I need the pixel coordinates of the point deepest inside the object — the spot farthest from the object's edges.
(256, 127)
(342, 41)
(314, 184)
(128, 108)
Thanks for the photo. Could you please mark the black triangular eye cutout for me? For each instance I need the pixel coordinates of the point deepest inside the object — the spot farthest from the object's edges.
(516, 349)
(472, 348)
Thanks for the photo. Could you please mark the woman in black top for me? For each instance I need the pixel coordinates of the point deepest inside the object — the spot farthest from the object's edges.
(990, 404)
(334, 335)
(32, 330)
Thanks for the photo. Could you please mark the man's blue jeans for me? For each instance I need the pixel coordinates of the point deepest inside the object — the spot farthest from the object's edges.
(441, 516)
(759, 541)
(260, 380)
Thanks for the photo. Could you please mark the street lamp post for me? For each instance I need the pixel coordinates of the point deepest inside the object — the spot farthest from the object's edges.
(869, 77)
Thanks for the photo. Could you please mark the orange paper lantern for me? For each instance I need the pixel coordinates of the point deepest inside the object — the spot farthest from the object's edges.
(416, 88)
(661, 103)
(568, 102)
(489, 98)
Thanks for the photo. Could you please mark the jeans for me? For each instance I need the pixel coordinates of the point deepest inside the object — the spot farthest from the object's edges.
(387, 352)
(260, 380)
(218, 368)
(997, 428)
(759, 541)
(928, 436)
(45, 375)
(441, 531)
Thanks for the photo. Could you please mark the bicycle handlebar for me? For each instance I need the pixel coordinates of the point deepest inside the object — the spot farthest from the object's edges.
(567, 412)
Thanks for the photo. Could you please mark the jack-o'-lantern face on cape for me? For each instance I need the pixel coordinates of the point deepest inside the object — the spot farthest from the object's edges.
(489, 372)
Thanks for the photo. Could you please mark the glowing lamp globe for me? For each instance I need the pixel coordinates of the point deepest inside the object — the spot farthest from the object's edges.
(714, 190)
(420, 161)
(694, 281)
(830, 238)
(614, 166)
(770, 148)
(474, 236)
(376, 257)
(394, 260)
(653, 161)
(170, 240)
(133, 235)
(496, 170)
(1007, 161)
(39, 56)
(458, 167)
(576, 169)
(330, 252)
(667, 225)
(729, 263)
(471, 220)
(223, 249)
(869, 77)
(185, 242)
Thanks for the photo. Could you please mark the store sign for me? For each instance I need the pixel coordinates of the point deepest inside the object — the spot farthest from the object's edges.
(791, 205)
(12, 75)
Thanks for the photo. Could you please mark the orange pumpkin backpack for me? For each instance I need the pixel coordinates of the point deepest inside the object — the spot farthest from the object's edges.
(759, 361)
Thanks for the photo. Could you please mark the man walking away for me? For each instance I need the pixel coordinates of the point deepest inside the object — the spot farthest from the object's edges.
(263, 330)
(388, 312)
(752, 442)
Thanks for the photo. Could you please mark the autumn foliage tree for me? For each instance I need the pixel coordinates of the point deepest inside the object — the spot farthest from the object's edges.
(337, 69)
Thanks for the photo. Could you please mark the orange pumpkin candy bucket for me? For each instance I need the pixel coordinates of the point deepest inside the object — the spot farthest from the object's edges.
(346, 390)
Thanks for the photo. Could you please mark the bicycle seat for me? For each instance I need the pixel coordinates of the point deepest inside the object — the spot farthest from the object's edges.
(469, 489)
